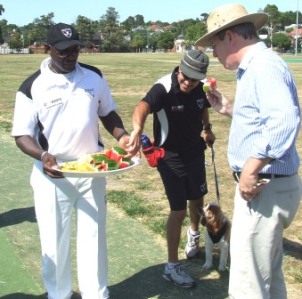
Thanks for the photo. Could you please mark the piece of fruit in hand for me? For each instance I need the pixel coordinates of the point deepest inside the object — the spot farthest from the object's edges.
(209, 85)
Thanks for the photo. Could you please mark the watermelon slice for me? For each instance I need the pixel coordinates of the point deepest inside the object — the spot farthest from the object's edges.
(209, 85)
(99, 158)
(112, 165)
(115, 153)
(125, 162)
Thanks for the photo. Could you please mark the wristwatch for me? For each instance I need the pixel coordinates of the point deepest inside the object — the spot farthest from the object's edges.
(207, 127)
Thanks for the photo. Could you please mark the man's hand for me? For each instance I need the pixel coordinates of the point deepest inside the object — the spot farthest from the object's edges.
(209, 137)
(131, 144)
(49, 165)
(220, 103)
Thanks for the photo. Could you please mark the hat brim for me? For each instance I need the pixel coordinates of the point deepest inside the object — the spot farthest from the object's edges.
(191, 73)
(66, 44)
(258, 19)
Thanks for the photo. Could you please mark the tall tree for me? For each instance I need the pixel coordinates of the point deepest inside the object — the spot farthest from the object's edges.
(193, 33)
(87, 28)
(36, 32)
(165, 40)
(274, 16)
(1, 11)
(111, 31)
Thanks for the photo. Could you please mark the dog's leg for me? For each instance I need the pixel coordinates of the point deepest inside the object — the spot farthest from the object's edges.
(224, 253)
(209, 252)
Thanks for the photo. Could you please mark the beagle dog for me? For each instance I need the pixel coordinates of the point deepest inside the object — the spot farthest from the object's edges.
(218, 232)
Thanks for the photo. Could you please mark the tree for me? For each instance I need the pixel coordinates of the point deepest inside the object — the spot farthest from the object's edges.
(36, 32)
(111, 31)
(16, 41)
(1, 9)
(129, 24)
(194, 32)
(204, 17)
(139, 20)
(87, 29)
(138, 42)
(165, 40)
(274, 17)
(281, 41)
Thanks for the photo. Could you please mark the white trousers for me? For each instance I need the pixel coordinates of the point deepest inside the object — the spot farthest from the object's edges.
(257, 240)
(55, 200)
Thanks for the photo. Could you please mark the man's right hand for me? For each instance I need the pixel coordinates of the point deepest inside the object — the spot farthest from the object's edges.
(50, 165)
(220, 103)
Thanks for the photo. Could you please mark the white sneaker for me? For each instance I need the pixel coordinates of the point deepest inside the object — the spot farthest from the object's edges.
(192, 246)
(178, 276)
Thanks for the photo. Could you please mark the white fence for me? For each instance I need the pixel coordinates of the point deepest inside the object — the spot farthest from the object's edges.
(13, 51)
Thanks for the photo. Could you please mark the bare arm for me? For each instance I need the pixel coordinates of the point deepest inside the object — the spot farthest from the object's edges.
(114, 125)
(139, 117)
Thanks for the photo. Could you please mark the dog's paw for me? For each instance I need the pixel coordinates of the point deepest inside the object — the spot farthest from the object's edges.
(207, 266)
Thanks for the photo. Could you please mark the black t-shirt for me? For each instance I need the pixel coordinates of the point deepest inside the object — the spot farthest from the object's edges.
(177, 116)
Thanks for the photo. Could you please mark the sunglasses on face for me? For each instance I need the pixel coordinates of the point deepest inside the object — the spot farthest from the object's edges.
(186, 78)
(68, 51)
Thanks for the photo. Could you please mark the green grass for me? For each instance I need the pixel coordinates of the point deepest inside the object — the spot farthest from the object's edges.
(139, 192)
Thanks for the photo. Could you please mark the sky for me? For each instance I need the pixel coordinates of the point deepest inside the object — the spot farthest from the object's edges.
(22, 12)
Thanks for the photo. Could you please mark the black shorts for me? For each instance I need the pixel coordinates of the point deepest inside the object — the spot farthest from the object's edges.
(183, 179)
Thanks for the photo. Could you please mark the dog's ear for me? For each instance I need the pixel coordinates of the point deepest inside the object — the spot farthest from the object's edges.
(215, 209)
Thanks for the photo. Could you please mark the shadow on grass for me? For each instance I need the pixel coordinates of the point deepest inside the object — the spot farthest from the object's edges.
(23, 296)
(17, 216)
(292, 248)
(149, 283)
(30, 296)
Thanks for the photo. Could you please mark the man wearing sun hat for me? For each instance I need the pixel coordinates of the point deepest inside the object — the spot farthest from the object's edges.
(180, 115)
(261, 152)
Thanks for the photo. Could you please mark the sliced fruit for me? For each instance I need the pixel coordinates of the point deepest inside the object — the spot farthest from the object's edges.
(112, 165)
(116, 153)
(209, 85)
(99, 157)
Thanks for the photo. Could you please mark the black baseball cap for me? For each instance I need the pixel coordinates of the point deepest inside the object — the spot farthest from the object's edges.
(62, 36)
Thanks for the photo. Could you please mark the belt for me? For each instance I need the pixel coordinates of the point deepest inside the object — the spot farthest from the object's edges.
(237, 174)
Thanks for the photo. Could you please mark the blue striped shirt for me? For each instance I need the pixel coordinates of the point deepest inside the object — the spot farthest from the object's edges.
(266, 113)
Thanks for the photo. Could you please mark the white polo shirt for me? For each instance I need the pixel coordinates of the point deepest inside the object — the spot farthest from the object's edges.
(63, 110)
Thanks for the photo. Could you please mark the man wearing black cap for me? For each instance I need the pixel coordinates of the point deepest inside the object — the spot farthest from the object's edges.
(56, 119)
(180, 114)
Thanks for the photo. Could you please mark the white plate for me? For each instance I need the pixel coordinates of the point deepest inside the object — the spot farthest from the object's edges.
(98, 174)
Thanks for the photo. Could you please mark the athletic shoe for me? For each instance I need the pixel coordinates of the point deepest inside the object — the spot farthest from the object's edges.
(192, 246)
(178, 276)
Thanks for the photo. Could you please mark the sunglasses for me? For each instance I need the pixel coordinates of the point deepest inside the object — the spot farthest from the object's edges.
(68, 51)
(186, 78)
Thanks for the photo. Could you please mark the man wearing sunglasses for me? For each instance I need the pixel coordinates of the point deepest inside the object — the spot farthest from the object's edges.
(180, 114)
(56, 119)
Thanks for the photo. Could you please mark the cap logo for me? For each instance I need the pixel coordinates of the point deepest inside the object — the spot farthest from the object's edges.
(67, 32)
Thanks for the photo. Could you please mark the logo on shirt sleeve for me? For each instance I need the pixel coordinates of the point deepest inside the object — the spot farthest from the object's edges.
(200, 103)
(90, 93)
